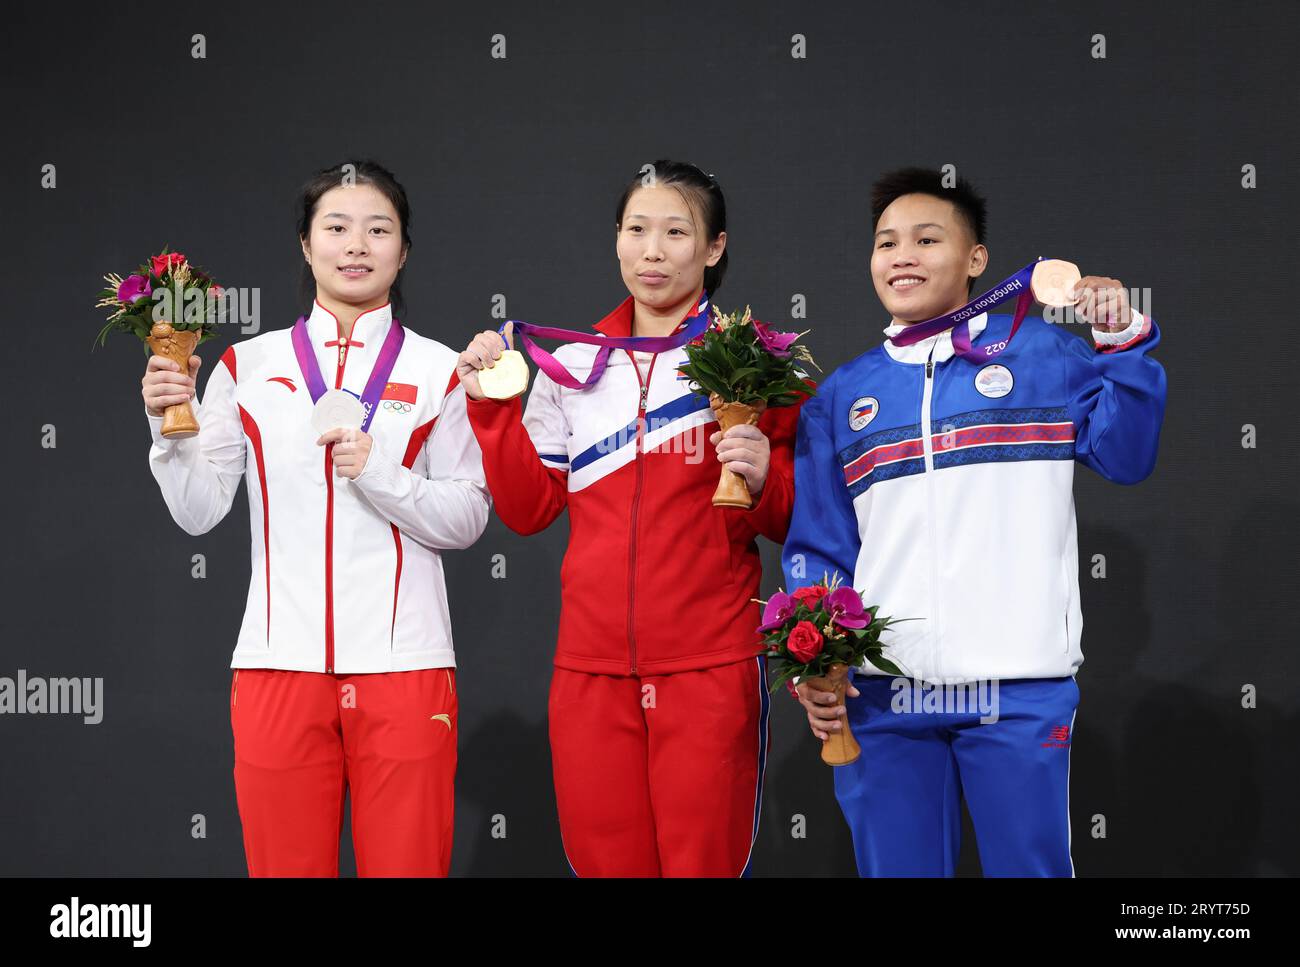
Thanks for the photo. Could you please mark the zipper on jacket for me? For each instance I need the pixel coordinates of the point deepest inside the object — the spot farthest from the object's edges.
(329, 520)
(636, 504)
(927, 448)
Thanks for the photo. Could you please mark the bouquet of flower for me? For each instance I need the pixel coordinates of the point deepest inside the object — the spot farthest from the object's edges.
(172, 307)
(818, 633)
(743, 367)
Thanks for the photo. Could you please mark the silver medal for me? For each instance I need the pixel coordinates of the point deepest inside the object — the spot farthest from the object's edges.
(337, 409)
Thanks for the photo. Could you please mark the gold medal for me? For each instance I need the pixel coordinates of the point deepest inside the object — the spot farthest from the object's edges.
(507, 378)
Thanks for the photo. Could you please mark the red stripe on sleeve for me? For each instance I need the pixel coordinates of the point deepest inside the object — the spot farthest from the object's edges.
(255, 437)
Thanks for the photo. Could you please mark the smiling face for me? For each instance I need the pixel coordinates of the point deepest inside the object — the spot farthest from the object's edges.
(355, 246)
(923, 256)
(663, 248)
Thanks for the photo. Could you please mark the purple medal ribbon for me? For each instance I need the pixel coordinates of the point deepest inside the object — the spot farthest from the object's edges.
(551, 366)
(378, 375)
(959, 319)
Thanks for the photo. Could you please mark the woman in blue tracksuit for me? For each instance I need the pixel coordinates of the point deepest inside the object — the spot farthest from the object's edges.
(941, 488)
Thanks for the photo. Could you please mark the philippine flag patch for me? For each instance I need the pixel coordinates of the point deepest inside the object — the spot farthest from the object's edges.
(402, 392)
(862, 412)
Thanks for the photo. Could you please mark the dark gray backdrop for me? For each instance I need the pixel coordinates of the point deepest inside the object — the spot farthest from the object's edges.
(1129, 165)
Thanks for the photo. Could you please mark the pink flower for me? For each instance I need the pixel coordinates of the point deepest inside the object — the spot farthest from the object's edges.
(133, 288)
(777, 612)
(776, 343)
(846, 609)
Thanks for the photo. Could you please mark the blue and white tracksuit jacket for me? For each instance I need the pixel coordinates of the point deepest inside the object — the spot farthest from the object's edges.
(971, 527)
(942, 490)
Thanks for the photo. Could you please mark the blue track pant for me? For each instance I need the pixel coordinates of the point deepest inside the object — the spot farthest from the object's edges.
(902, 798)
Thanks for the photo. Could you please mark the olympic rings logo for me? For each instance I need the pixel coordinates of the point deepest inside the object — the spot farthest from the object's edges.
(397, 406)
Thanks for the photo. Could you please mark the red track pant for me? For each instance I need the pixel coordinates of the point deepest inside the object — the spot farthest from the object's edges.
(303, 738)
(659, 775)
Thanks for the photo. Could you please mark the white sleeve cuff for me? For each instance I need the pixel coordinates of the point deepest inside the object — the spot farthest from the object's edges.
(155, 428)
(1103, 338)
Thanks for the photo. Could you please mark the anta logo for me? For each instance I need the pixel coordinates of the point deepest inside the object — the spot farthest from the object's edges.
(442, 717)
(1058, 737)
(284, 381)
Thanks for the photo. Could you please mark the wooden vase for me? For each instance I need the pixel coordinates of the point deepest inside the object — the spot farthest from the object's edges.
(178, 346)
(839, 748)
(732, 490)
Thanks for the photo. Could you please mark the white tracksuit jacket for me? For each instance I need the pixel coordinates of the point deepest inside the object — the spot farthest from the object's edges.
(346, 575)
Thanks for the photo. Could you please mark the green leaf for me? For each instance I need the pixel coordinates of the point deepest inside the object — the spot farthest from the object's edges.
(884, 664)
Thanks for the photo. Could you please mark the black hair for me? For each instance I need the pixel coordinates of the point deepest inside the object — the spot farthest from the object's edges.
(703, 195)
(892, 185)
(364, 172)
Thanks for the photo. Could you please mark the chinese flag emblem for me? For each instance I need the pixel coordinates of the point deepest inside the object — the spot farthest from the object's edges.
(405, 392)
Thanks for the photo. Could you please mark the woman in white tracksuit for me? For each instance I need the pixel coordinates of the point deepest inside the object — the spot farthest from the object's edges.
(344, 672)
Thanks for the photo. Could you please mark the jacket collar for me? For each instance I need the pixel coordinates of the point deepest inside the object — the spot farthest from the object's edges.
(372, 325)
(941, 342)
(619, 322)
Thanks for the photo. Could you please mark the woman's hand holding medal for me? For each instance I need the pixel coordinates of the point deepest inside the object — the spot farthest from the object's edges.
(1098, 300)
(1103, 303)
(351, 450)
(491, 368)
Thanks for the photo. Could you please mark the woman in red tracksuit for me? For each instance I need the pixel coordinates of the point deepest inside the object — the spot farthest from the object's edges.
(658, 702)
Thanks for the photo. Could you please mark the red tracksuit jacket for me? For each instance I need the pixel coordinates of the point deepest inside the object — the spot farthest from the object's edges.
(655, 579)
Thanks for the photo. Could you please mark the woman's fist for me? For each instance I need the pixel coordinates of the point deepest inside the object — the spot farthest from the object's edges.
(745, 449)
(164, 385)
(823, 709)
(482, 353)
(351, 450)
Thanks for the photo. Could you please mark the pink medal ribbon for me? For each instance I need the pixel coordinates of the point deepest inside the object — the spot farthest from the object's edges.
(552, 367)
(959, 319)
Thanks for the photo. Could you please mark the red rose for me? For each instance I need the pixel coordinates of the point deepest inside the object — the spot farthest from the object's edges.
(805, 641)
(161, 263)
(810, 595)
